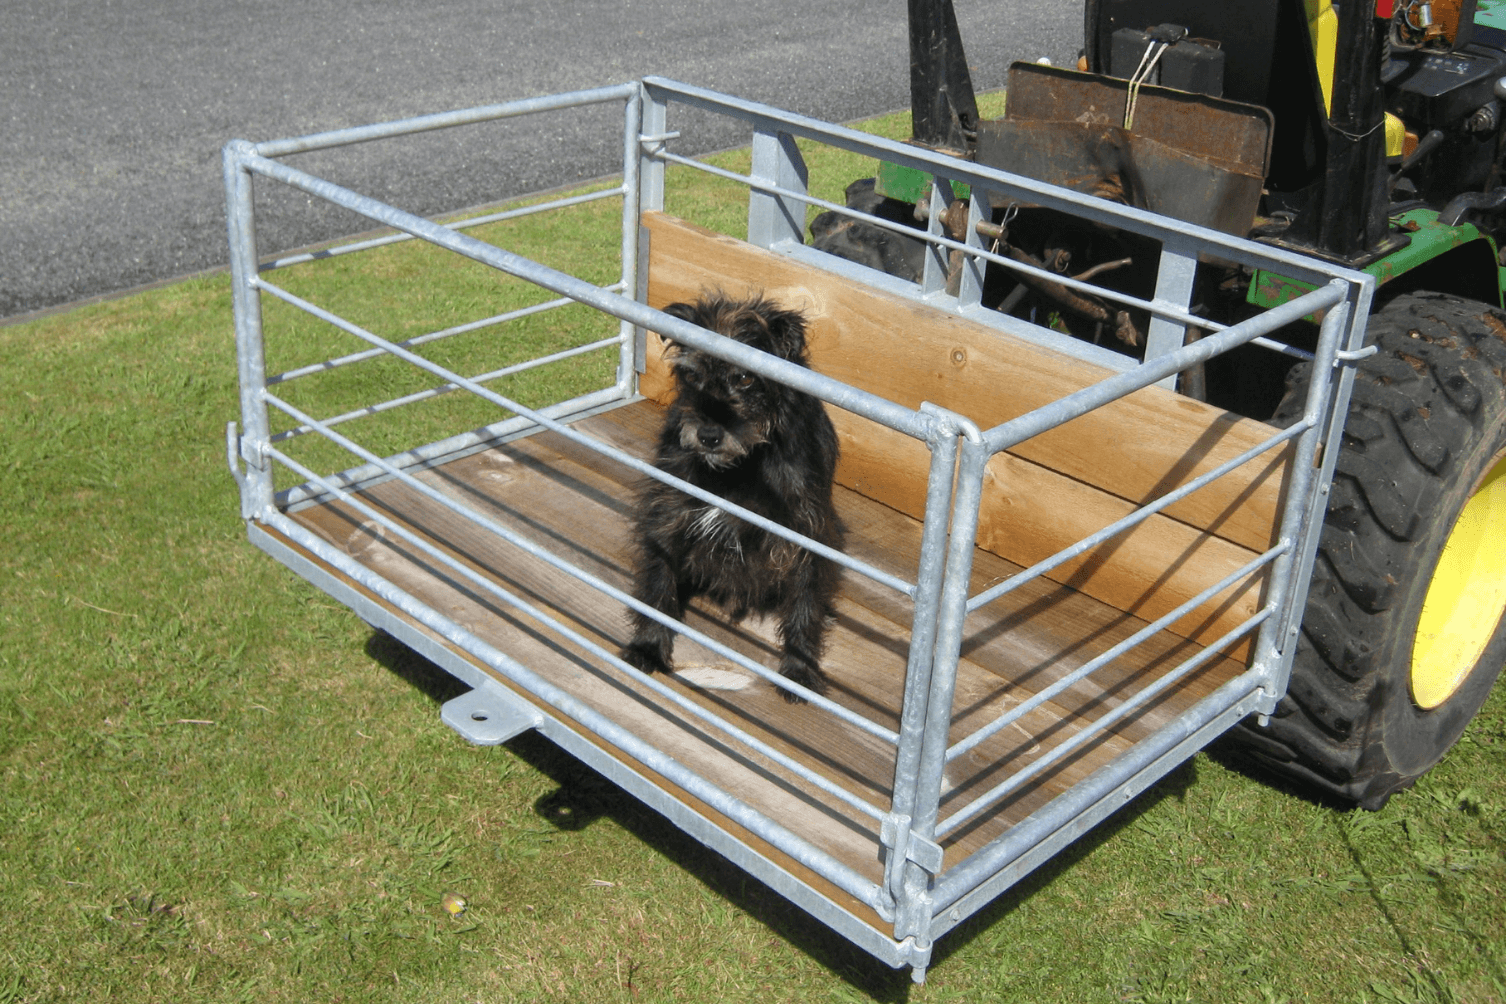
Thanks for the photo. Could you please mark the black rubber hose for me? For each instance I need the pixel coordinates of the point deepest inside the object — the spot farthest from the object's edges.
(1467, 201)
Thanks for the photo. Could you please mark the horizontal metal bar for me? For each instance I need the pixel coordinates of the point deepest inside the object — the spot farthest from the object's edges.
(626, 459)
(801, 850)
(834, 392)
(446, 120)
(1283, 348)
(1133, 519)
(1236, 249)
(1103, 659)
(1063, 410)
(459, 329)
(565, 631)
(560, 564)
(466, 224)
(450, 388)
(1098, 726)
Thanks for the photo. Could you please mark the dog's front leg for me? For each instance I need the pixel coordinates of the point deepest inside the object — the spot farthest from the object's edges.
(652, 647)
(802, 630)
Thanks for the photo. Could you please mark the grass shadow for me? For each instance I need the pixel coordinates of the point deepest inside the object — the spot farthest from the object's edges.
(1174, 785)
(1228, 752)
(418, 672)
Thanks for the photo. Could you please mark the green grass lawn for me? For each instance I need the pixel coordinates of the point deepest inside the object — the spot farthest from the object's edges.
(216, 784)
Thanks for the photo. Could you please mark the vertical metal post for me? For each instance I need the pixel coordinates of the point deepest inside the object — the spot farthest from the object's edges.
(970, 284)
(775, 219)
(250, 351)
(913, 914)
(1174, 284)
(928, 581)
(627, 373)
(1302, 516)
(653, 120)
(938, 259)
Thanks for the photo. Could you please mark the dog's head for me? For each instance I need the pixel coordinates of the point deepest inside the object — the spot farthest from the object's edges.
(722, 410)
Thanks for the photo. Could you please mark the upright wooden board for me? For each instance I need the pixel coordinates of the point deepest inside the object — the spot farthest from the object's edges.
(1047, 492)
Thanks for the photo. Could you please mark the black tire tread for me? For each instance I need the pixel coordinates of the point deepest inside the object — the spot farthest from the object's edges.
(1420, 405)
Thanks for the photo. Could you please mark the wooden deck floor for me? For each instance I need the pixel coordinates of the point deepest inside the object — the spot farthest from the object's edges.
(574, 503)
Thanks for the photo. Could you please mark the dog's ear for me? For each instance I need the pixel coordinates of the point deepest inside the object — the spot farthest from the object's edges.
(786, 332)
(685, 312)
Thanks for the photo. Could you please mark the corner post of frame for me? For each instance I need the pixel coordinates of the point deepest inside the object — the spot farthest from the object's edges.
(1302, 515)
(924, 856)
(630, 359)
(250, 352)
(649, 138)
(942, 442)
(775, 219)
(653, 133)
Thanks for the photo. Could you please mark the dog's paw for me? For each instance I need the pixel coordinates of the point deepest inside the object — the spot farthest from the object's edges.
(641, 657)
(807, 676)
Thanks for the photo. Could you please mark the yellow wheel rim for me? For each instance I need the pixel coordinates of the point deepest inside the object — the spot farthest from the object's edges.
(1467, 596)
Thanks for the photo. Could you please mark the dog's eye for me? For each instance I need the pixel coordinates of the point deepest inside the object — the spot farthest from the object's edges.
(745, 381)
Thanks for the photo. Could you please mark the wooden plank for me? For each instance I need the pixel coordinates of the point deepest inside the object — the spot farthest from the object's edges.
(1050, 491)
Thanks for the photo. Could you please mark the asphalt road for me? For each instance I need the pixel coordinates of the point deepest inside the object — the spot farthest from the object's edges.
(112, 113)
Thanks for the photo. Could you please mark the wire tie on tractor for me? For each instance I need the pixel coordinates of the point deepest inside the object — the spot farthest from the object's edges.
(1162, 38)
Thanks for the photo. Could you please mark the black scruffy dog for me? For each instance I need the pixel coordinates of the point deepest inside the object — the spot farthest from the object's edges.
(763, 446)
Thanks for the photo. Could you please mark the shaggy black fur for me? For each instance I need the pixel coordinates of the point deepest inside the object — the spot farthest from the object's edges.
(769, 449)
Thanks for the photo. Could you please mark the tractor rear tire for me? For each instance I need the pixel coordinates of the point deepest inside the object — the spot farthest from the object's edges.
(1370, 708)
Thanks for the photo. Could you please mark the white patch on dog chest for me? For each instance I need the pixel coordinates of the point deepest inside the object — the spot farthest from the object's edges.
(714, 526)
(707, 523)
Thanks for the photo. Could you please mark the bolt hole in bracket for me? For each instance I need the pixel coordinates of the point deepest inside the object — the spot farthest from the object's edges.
(489, 716)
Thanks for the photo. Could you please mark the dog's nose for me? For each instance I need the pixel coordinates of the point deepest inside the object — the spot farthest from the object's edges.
(710, 436)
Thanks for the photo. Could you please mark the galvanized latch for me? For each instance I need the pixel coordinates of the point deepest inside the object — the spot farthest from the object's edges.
(1344, 356)
(653, 143)
(233, 452)
(905, 844)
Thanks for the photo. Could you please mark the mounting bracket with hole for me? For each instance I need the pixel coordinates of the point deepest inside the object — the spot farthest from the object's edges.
(488, 716)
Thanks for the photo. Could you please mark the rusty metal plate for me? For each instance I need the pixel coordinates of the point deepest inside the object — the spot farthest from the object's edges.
(1191, 157)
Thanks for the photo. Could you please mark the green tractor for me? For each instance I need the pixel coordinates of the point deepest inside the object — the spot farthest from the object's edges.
(1371, 137)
